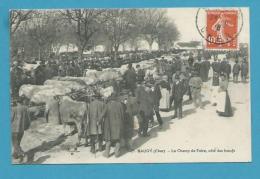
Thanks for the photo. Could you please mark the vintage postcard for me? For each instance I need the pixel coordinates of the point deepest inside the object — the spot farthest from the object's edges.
(145, 85)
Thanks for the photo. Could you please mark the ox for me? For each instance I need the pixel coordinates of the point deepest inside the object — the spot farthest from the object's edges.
(64, 110)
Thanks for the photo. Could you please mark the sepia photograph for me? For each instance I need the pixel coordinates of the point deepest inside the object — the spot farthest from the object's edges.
(130, 85)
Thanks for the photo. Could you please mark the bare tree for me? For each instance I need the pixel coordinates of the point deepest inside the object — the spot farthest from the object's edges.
(86, 23)
(17, 17)
(43, 31)
(149, 21)
(167, 35)
(119, 27)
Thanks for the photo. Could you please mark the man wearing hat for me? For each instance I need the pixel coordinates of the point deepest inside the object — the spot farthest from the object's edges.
(140, 73)
(146, 104)
(195, 84)
(216, 66)
(130, 78)
(94, 126)
(113, 115)
(228, 69)
(20, 122)
(178, 90)
(244, 70)
(190, 60)
(236, 70)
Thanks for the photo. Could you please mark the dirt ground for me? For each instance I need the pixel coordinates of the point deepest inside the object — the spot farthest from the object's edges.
(200, 136)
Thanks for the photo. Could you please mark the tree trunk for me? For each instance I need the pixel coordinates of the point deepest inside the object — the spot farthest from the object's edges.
(39, 53)
(80, 53)
(116, 47)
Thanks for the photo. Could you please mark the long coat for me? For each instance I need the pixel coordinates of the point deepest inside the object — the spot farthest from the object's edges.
(178, 90)
(236, 68)
(145, 100)
(197, 66)
(228, 68)
(215, 79)
(204, 70)
(244, 69)
(157, 95)
(216, 67)
(130, 78)
(95, 110)
(131, 109)
(20, 119)
(113, 123)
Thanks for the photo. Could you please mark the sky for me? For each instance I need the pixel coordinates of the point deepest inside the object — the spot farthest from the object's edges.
(185, 18)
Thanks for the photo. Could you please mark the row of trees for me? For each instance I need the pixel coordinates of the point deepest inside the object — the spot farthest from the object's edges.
(39, 33)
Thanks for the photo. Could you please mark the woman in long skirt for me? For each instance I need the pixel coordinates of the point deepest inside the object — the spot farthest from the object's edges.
(165, 91)
(224, 107)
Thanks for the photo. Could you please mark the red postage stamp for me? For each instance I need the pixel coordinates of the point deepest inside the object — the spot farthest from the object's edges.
(222, 29)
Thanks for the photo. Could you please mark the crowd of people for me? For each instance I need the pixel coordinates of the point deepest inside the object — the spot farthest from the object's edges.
(146, 93)
(66, 66)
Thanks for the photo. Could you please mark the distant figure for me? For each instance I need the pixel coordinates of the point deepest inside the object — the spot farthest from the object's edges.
(130, 78)
(197, 65)
(216, 66)
(190, 60)
(178, 90)
(236, 70)
(224, 105)
(228, 69)
(204, 70)
(244, 70)
(223, 65)
(140, 73)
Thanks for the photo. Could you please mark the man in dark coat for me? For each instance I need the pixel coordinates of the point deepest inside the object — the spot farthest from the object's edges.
(131, 109)
(113, 124)
(169, 71)
(203, 71)
(94, 126)
(223, 65)
(228, 69)
(190, 60)
(178, 90)
(146, 104)
(140, 73)
(244, 70)
(205, 66)
(156, 95)
(130, 78)
(178, 64)
(215, 66)
(236, 70)
(197, 65)
(20, 122)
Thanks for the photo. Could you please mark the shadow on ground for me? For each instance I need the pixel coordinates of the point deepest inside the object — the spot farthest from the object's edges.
(45, 146)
